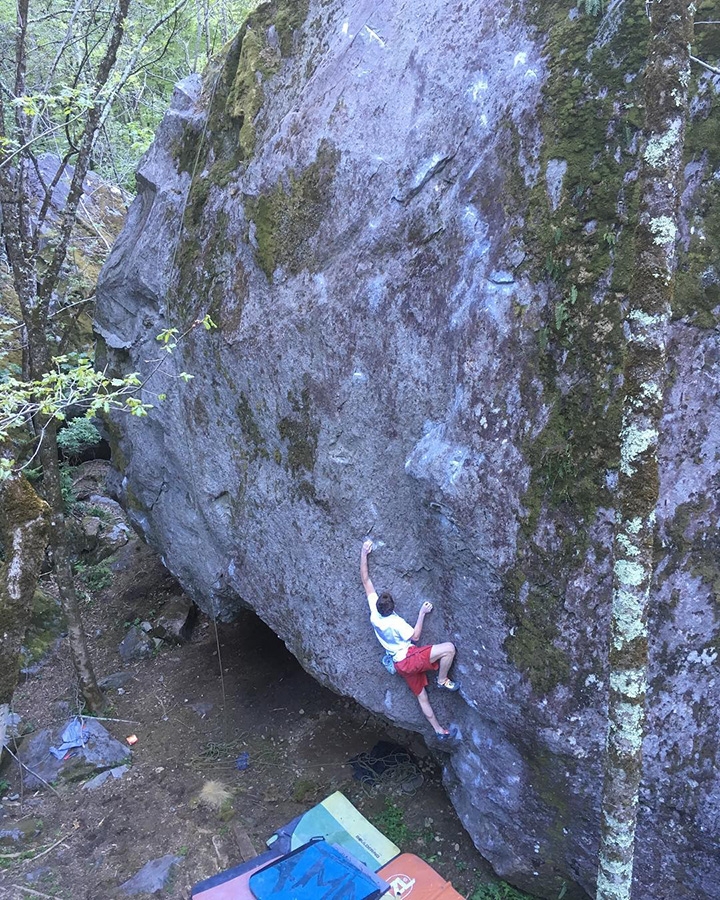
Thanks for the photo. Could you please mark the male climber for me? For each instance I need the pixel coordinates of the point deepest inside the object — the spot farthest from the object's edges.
(400, 639)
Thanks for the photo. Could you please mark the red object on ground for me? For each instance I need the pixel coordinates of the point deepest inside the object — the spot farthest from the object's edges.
(132, 739)
(411, 878)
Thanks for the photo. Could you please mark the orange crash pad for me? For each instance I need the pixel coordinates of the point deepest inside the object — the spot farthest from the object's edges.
(411, 878)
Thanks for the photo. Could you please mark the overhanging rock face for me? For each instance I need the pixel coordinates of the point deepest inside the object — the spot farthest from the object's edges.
(412, 224)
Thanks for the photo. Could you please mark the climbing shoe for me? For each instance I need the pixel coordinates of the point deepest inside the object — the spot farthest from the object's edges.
(448, 685)
(452, 738)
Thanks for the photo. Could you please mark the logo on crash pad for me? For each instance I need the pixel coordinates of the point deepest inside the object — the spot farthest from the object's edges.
(402, 885)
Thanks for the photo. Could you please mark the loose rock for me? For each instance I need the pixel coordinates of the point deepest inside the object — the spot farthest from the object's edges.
(152, 878)
(136, 645)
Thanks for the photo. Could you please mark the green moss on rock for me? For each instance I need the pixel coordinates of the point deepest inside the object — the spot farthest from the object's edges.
(46, 625)
(534, 632)
(697, 285)
(288, 216)
(235, 87)
(256, 62)
(300, 433)
(252, 436)
(698, 552)
(583, 250)
(290, 16)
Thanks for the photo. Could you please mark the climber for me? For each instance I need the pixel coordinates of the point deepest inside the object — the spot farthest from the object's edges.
(399, 638)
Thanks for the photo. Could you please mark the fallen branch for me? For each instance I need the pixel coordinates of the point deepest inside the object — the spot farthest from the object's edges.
(34, 774)
(124, 721)
(27, 890)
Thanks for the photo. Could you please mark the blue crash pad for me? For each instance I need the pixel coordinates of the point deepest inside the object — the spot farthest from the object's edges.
(317, 871)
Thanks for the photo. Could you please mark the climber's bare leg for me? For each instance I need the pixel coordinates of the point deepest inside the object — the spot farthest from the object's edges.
(428, 712)
(444, 654)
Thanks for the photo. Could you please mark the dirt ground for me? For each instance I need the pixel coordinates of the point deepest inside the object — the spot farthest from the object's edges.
(195, 708)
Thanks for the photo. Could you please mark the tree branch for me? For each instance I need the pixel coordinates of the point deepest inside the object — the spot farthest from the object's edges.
(49, 281)
(129, 69)
(705, 65)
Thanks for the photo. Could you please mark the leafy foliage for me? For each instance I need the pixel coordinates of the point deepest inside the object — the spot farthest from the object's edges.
(74, 381)
(78, 436)
(65, 73)
(392, 824)
(66, 486)
(96, 578)
(164, 41)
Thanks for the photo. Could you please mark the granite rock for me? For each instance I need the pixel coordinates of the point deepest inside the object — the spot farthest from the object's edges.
(412, 225)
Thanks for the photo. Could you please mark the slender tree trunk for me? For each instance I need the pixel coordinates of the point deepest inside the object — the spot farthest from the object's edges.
(62, 569)
(23, 534)
(666, 110)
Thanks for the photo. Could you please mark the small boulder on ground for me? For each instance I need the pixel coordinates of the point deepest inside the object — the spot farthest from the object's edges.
(175, 622)
(99, 780)
(16, 832)
(152, 878)
(136, 645)
(91, 478)
(114, 681)
(101, 751)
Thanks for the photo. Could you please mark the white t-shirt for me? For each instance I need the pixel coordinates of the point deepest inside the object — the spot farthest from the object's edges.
(392, 631)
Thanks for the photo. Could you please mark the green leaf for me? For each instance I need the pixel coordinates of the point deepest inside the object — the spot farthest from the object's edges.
(561, 315)
(165, 336)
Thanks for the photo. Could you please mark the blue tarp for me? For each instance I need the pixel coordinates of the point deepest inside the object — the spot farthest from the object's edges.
(317, 871)
(72, 737)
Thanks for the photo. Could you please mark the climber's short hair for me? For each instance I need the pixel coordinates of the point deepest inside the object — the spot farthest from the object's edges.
(385, 604)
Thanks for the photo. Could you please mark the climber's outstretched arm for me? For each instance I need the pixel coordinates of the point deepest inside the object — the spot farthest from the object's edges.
(364, 574)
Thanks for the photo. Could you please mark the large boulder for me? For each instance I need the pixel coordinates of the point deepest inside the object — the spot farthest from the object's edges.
(412, 225)
(100, 751)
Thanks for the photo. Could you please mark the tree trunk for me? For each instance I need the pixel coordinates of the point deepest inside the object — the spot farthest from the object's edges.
(24, 535)
(63, 570)
(666, 110)
(34, 294)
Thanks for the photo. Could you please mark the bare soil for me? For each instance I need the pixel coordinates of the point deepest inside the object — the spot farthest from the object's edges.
(194, 709)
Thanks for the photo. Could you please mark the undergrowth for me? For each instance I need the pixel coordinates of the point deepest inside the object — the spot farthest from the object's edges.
(499, 890)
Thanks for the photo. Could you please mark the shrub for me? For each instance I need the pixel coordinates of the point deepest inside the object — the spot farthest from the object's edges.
(94, 577)
(77, 436)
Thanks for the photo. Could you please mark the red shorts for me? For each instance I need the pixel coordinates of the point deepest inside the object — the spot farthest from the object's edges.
(414, 666)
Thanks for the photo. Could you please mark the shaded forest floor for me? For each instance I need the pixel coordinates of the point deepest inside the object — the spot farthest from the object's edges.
(191, 726)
